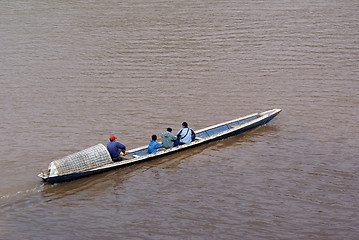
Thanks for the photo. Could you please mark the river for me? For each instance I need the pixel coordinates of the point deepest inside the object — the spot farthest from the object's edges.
(73, 73)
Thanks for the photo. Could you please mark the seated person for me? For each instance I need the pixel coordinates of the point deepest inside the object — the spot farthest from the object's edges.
(114, 149)
(168, 138)
(186, 134)
(153, 146)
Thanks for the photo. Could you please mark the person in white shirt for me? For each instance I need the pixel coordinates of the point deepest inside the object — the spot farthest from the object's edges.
(186, 134)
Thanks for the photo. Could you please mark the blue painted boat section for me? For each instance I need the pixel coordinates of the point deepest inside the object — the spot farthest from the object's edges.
(139, 153)
(71, 176)
(225, 127)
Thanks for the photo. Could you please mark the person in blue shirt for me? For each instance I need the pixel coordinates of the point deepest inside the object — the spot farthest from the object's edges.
(186, 134)
(153, 146)
(114, 149)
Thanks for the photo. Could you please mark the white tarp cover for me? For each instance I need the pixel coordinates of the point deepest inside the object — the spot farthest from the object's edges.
(53, 170)
(89, 158)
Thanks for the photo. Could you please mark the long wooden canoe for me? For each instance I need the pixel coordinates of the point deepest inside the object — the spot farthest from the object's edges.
(97, 159)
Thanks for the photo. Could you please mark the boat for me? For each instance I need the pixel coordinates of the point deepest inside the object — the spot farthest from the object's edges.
(97, 158)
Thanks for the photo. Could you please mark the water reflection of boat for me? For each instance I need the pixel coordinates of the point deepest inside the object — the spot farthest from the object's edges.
(97, 159)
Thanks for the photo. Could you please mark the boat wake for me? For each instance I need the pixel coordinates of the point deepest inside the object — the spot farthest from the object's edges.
(22, 193)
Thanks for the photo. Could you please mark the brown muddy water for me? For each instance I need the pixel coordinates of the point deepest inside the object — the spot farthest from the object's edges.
(72, 73)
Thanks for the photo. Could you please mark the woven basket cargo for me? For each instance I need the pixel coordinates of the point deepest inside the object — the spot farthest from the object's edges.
(89, 158)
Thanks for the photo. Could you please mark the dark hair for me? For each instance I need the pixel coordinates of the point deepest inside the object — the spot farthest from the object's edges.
(154, 137)
(169, 129)
(184, 124)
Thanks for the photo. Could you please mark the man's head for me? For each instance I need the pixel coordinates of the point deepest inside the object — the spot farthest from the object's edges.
(113, 138)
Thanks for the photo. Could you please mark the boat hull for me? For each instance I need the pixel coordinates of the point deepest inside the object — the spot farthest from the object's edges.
(210, 134)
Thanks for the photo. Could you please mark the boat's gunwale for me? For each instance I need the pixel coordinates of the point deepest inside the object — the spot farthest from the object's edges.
(228, 122)
(262, 116)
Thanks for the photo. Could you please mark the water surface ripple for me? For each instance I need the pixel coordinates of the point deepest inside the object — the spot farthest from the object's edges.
(74, 73)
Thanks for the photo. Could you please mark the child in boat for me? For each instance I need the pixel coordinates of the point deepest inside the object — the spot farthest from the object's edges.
(153, 146)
